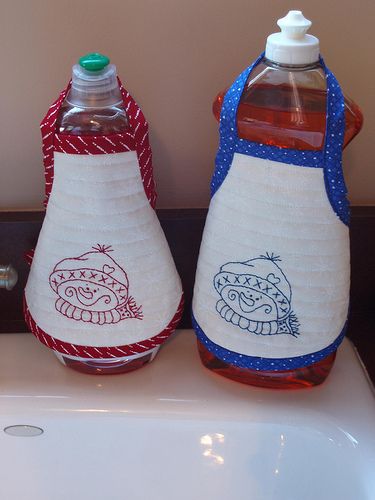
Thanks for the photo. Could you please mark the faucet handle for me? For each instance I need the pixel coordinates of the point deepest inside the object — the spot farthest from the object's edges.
(8, 276)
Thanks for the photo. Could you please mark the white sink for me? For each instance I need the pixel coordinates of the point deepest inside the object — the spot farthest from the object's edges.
(174, 430)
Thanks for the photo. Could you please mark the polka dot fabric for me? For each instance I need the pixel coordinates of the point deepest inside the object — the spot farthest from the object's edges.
(264, 364)
(330, 158)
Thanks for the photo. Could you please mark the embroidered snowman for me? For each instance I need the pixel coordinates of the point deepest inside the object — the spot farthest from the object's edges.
(255, 295)
(93, 288)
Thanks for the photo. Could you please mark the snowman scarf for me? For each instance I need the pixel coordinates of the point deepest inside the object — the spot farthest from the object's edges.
(272, 282)
(102, 282)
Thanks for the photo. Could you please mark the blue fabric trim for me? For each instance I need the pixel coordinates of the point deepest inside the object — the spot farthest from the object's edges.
(300, 158)
(330, 158)
(265, 364)
(334, 140)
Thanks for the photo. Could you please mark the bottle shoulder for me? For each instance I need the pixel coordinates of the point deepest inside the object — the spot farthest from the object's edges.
(78, 120)
(288, 109)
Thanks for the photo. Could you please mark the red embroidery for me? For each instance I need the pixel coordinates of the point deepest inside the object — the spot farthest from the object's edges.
(89, 299)
(102, 352)
(136, 139)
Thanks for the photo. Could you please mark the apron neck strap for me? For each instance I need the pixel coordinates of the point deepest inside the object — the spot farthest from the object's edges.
(138, 130)
(329, 158)
(335, 117)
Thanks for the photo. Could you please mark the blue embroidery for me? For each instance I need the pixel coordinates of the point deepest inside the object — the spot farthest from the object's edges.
(256, 296)
(265, 364)
(330, 158)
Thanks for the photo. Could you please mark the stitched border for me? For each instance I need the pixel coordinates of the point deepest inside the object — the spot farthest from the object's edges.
(265, 364)
(102, 352)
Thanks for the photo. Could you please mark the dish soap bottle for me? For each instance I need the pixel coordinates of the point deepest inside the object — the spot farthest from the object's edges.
(103, 291)
(272, 285)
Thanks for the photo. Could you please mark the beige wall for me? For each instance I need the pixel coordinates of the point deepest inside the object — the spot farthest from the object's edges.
(173, 56)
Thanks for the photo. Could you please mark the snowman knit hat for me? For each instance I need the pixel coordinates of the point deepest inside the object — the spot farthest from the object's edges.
(263, 275)
(96, 267)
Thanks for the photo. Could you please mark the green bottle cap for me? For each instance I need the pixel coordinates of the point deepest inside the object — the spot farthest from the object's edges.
(93, 61)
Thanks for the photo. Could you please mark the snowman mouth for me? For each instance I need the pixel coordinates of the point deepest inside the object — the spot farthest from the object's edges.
(246, 304)
(85, 294)
(86, 298)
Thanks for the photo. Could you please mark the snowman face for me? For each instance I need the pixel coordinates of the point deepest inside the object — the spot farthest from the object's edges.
(249, 303)
(87, 295)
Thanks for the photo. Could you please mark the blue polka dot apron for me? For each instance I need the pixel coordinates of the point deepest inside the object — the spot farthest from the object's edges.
(272, 282)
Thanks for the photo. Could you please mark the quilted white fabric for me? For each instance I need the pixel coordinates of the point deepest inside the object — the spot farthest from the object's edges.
(273, 272)
(102, 273)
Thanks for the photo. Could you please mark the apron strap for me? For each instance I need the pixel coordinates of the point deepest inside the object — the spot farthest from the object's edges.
(333, 146)
(139, 128)
(329, 158)
(95, 145)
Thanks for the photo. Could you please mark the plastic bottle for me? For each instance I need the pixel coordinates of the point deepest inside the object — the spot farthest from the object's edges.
(101, 252)
(94, 106)
(284, 104)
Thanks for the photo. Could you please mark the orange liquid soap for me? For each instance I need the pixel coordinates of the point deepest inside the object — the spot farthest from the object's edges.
(284, 106)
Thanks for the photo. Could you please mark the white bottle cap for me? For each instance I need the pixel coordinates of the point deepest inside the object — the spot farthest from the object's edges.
(292, 45)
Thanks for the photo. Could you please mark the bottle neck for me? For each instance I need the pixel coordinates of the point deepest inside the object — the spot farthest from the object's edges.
(291, 67)
(88, 99)
(94, 89)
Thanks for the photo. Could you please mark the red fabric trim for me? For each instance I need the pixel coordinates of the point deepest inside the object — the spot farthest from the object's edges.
(136, 139)
(102, 352)
(29, 255)
(139, 127)
(95, 144)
